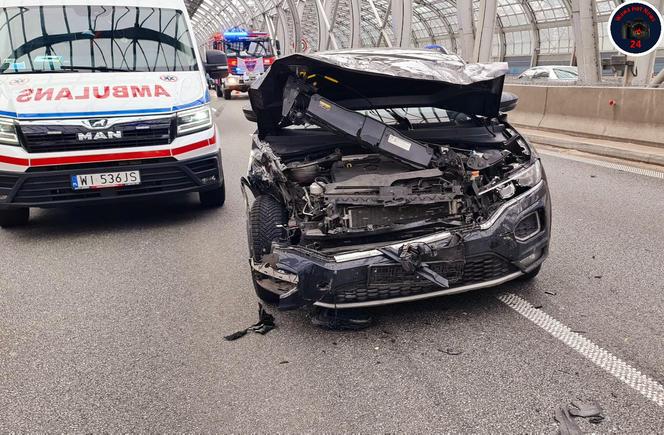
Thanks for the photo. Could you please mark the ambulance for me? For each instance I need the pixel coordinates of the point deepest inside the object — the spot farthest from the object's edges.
(103, 100)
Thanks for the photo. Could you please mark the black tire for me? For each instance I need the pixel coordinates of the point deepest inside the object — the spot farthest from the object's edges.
(14, 217)
(213, 198)
(264, 217)
(531, 275)
(219, 91)
(227, 94)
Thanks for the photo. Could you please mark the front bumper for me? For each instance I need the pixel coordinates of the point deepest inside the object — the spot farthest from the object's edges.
(484, 256)
(51, 186)
(238, 84)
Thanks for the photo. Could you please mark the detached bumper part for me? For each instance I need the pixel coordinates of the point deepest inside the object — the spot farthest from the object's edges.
(485, 257)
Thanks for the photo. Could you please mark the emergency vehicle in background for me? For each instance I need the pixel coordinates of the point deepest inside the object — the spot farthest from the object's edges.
(250, 54)
(103, 100)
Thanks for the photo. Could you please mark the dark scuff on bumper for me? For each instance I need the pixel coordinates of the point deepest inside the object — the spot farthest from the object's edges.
(484, 256)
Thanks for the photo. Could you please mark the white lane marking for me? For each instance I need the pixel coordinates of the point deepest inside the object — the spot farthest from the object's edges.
(645, 385)
(605, 164)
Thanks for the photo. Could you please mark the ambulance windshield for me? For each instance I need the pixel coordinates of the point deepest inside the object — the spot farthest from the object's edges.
(49, 39)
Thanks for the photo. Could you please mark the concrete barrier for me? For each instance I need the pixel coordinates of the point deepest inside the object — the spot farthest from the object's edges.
(637, 115)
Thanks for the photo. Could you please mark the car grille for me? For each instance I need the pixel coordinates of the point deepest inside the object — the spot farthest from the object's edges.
(7, 182)
(44, 189)
(393, 281)
(40, 138)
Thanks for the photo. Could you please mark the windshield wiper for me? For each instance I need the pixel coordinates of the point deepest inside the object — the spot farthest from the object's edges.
(75, 68)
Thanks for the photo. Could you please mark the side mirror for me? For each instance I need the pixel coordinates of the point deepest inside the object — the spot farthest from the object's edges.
(277, 45)
(216, 64)
(508, 101)
(249, 114)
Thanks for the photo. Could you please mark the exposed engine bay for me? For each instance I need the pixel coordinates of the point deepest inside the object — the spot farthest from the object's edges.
(348, 195)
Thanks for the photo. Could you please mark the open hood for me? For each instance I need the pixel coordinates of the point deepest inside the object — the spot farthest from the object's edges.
(382, 78)
(67, 95)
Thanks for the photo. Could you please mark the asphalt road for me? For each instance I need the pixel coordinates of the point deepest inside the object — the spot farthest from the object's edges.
(112, 318)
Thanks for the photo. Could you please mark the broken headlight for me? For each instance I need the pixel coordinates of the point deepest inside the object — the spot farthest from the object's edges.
(192, 121)
(529, 176)
(8, 134)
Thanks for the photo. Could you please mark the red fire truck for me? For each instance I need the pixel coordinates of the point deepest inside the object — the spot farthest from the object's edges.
(250, 55)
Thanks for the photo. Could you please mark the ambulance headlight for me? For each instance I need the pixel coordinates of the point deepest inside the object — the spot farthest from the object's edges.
(192, 121)
(8, 134)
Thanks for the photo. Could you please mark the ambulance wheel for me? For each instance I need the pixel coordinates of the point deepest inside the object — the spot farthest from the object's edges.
(14, 217)
(213, 198)
(227, 94)
(219, 91)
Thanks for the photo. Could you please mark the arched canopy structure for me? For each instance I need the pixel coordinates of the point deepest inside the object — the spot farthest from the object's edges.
(522, 32)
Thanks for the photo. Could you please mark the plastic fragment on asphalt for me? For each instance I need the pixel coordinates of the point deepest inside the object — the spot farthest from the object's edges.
(566, 424)
(550, 293)
(265, 324)
(450, 351)
(590, 410)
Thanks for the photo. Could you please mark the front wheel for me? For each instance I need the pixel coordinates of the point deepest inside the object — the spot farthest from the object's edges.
(219, 91)
(227, 94)
(266, 219)
(213, 198)
(14, 217)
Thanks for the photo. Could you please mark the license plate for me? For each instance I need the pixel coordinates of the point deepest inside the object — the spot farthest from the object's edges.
(105, 180)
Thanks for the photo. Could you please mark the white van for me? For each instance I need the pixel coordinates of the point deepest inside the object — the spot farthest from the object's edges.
(102, 101)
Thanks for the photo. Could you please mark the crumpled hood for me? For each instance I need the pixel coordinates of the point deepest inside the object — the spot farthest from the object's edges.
(62, 95)
(382, 78)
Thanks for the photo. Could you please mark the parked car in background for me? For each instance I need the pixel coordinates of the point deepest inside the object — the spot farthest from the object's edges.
(550, 72)
(383, 176)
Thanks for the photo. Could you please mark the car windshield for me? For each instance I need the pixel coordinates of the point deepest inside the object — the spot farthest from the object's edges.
(414, 115)
(249, 48)
(94, 39)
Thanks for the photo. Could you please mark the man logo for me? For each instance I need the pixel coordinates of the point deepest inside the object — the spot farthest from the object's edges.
(96, 123)
(100, 135)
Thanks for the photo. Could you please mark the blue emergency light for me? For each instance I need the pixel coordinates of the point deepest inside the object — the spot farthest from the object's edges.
(235, 36)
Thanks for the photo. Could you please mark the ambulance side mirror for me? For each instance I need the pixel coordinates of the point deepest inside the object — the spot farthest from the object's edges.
(216, 64)
(277, 45)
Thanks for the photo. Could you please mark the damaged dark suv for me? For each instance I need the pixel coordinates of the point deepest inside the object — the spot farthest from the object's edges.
(387, 175)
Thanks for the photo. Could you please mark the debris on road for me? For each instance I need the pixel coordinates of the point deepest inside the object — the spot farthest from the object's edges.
(589, 410)
(450, 351)
(566, 423)
(265, 324)
(598, 276)
(550, 293)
